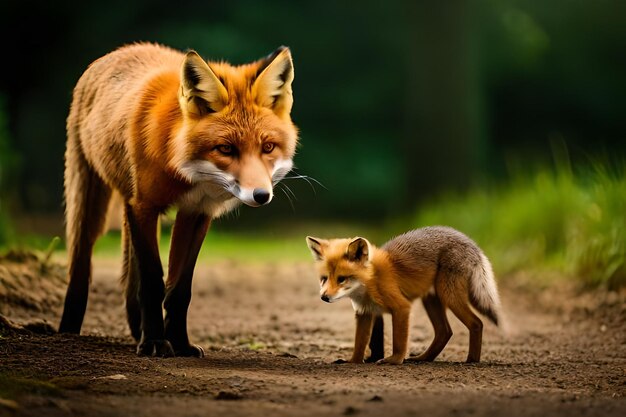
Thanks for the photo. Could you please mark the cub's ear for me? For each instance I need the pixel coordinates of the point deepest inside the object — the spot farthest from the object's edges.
(358, 250)
(201, 92)
(316, 246)
(272, 87)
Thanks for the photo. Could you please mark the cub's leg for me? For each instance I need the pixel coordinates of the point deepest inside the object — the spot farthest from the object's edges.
(377, 340)
(400, 321)
(458, 302)
(437, 315)
(362, 336)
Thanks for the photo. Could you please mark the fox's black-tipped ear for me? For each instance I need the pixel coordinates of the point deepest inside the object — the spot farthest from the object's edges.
(358, 250)
(316, 246)
(201, 91)
(272, 87)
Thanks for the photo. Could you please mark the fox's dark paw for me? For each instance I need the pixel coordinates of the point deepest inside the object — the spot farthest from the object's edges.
(373, 359)
(340, 361)
(155, 347)
(190, 351)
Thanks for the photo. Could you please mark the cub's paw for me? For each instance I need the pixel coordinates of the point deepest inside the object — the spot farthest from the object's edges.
(190, 351)
(155, 347)
(391, 360)
(419, 358)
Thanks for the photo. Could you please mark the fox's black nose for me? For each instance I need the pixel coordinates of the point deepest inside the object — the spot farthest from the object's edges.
(261, 195)
(325, 298)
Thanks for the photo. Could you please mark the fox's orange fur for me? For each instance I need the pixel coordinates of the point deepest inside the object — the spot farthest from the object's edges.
(438, 264)
(167, 129)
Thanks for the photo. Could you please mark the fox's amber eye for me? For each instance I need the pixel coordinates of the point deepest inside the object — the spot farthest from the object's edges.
(268, 147)
(341, 280)
(323, 280)
(225, 149)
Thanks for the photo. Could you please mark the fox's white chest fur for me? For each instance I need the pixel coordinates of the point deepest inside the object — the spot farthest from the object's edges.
(363, 303)
(207, 198)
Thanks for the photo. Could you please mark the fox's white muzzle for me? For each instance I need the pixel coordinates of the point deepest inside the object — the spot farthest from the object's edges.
(253, 197)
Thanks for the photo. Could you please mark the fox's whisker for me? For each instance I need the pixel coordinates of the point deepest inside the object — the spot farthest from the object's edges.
(308, 179)
(286, 187)
(288, 198)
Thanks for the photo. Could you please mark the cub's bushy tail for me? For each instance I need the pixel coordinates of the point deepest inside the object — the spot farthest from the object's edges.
(483, 292)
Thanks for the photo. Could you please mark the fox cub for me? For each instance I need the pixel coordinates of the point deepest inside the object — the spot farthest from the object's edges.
(440, 265)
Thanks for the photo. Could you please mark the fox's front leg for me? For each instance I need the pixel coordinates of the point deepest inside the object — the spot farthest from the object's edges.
(400, 322)
(362, 336)
(187, 237)
(143, 225)
(377, 340)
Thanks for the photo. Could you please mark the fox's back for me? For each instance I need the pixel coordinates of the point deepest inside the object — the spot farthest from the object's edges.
(109, 80)
(425, 251)
(106, 99)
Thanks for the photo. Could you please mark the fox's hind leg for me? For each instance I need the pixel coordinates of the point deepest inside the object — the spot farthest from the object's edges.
(187, 237)
(458, 302)
(437, 315)
(86, 202)
(130, 280)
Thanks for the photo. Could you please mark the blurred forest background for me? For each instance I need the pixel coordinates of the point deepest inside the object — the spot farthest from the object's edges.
(504, 118)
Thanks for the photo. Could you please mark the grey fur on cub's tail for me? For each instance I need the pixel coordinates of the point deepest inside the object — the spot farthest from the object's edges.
(483, 292)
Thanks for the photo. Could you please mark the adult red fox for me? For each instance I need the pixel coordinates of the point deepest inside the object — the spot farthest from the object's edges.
(438, 264)
(167, 129)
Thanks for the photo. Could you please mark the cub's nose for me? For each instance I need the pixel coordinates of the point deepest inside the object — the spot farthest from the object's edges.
(261, 195)
(325, 298)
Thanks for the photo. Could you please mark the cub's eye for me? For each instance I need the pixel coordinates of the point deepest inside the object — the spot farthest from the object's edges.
(225, 149)
(268, 147)
(323, 280)
(341, 280)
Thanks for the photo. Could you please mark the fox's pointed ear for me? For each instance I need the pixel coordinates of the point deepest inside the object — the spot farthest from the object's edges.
(358, 250)
(272, 87)
(201, 91)
(316, 246)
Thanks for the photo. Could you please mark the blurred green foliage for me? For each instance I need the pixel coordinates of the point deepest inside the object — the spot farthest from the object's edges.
(398, 102)
(395, 100)
(572, 222)
(268, 244)
(224, 246)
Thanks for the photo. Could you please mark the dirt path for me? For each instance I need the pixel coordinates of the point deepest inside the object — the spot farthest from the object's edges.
(270, 344)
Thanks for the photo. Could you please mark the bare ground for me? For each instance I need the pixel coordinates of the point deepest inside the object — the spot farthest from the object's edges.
(270, 343)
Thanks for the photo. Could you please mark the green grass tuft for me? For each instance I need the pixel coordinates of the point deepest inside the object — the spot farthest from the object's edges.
(224, 246)
(268, 243)
(574, 223)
